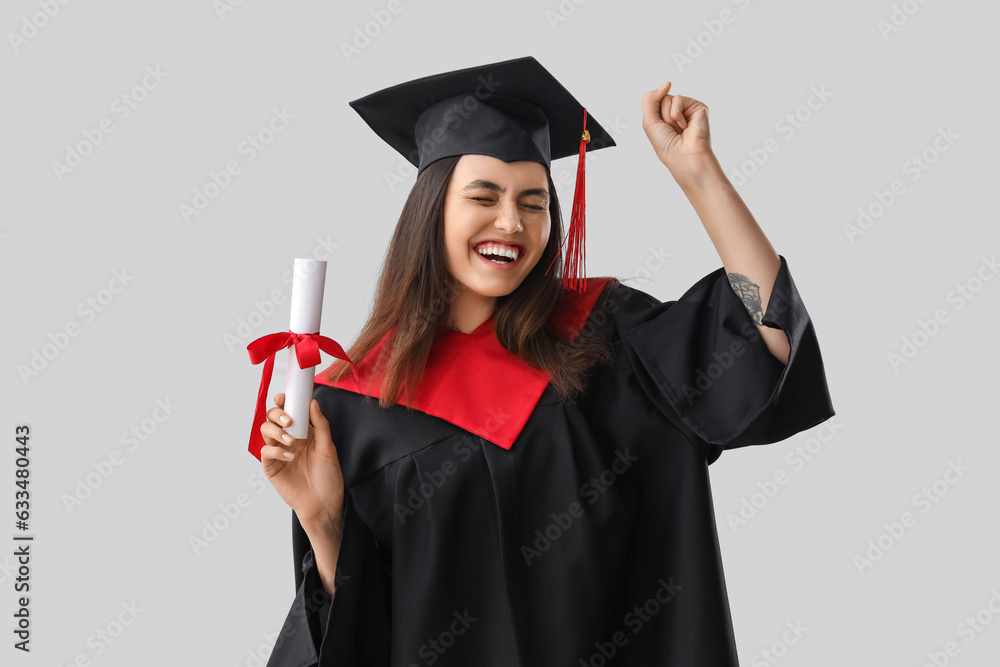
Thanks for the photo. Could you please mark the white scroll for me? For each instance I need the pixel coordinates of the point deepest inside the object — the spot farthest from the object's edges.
(308, 278)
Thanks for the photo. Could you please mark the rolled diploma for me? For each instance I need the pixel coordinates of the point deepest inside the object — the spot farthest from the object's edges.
(308, 278)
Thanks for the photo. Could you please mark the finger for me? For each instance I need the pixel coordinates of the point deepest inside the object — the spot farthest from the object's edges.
(654, 97)
(279, 400)
(665, 112)
(278, 415)
(651, 116)
(677, 111)
(274, 434)
(275, 453)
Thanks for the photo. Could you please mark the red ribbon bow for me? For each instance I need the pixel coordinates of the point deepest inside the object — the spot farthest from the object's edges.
(307, 347)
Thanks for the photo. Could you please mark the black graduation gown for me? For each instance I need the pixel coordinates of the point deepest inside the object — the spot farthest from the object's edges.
(592, 540)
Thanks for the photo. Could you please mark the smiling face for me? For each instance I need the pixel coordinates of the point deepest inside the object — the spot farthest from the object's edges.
(496, 223)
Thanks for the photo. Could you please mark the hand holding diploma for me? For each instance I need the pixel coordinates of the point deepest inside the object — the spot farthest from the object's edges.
(304, 339)
(293, 443)
(306, 474)
(311, 483)
(305, 471)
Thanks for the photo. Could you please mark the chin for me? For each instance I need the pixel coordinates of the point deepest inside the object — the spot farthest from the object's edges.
(491, 283)
(496, 289)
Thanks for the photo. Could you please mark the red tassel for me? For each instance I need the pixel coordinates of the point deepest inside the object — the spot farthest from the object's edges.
(574, 269)
(575, 272)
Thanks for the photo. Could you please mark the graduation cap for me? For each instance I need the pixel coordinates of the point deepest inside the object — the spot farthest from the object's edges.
(512, 110)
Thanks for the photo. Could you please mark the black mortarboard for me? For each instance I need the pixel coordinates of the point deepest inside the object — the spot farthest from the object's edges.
(512, 110)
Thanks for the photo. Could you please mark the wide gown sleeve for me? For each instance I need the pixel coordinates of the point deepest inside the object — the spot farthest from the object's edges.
(702, 358)
(352, 627)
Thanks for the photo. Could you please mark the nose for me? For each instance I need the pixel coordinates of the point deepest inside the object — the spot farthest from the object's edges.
(508, 218)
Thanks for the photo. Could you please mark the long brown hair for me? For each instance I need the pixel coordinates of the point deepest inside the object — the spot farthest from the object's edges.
(415, 289)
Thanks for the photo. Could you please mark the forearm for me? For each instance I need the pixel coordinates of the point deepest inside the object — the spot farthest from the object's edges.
(325, 538)
(747, 256)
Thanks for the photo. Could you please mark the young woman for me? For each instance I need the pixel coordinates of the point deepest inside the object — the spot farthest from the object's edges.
(531, 486)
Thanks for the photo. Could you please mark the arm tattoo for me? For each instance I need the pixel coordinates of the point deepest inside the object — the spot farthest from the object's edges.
(749, 293)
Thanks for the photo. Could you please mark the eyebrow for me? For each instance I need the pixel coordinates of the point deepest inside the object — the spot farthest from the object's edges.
(490, 185)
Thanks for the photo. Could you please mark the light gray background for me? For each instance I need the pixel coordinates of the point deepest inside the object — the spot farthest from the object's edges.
(324, 177)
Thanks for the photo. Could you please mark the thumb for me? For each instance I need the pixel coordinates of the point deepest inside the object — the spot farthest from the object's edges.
(321, 429)
(652, 119)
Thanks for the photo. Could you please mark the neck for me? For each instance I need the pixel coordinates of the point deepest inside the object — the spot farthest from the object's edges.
(469, 310)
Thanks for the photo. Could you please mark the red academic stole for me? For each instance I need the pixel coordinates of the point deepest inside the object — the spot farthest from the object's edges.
(473, 382)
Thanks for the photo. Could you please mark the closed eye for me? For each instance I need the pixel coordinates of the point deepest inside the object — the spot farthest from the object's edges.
(490, 200)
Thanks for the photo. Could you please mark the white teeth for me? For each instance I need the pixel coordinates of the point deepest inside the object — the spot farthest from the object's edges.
(494, 249)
